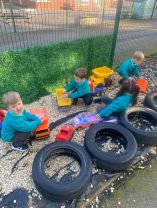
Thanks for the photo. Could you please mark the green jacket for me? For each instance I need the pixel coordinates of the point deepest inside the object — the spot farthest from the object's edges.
(80, 89)
(120, 103)
(24, 122)
(128, 67)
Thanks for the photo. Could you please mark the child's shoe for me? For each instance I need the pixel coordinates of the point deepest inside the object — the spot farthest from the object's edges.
(30, 143)
(22, 148)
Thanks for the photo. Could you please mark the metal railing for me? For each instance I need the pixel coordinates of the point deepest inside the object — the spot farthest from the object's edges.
(29, 23)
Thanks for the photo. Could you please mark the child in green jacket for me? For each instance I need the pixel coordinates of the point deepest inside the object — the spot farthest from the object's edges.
(130, 67)
(126, 97)
(80, 88)
(18, 124)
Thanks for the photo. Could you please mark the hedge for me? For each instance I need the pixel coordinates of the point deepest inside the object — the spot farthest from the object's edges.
(37, 71)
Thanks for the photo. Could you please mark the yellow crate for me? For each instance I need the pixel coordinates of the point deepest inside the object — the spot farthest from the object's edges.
(61, 100)
(103, 72)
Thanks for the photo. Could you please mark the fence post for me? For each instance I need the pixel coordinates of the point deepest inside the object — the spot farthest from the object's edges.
(153, 10)
(115, 31)
(12, 15)
(2, 7)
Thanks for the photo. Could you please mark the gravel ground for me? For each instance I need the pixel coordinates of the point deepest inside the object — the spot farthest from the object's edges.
(22, 176)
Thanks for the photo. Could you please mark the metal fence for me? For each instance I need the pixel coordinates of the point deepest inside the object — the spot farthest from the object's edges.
(137, 29)
(26, 23)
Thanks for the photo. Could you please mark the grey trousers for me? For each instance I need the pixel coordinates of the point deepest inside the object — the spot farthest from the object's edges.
(21, 138)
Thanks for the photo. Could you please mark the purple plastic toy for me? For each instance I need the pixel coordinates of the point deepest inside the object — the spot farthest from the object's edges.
(84, 120)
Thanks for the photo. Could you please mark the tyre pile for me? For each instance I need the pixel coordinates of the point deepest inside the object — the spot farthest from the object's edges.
(137, 125)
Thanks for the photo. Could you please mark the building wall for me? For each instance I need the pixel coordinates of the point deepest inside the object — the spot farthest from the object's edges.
(65, 4)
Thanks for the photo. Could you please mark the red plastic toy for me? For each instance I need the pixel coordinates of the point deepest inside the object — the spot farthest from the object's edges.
(91, 84)
(2, 115)
(66, 133)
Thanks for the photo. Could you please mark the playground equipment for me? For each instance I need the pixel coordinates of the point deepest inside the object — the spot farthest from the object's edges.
(41, 131)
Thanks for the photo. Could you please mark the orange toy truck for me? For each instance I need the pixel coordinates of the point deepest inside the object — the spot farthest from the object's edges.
(41, 131)
(143, 85)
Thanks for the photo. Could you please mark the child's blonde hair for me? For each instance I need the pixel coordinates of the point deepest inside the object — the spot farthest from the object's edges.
(138, 55)
(80, 72)
(10, 98)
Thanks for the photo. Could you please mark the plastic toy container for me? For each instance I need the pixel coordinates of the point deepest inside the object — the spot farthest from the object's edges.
(143, 85)
(41, 131)
(95, 80)
(102, 72)
(2, 115)
(61, 100)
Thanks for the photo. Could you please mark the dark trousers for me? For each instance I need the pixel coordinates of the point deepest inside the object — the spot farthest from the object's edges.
(87, 99)
(21, 138)
(107, 100)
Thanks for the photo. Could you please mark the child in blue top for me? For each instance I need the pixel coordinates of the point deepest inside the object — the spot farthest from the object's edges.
(18, 124)
(80, 88)
(130, 67)
(126, 97)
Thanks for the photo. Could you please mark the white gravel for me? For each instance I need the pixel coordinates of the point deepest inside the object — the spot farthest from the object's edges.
(22, 176)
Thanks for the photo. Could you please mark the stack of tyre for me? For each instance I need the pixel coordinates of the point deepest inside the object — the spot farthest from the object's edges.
(129, 136)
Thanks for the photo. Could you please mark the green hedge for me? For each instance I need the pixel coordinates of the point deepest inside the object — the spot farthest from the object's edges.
(38, 71)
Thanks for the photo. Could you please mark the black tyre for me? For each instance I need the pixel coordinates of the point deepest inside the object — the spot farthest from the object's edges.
(110, 160)
(62, 191)
(142, 122)
(150, 100)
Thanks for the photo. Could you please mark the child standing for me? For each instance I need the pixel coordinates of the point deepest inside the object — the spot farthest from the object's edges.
(18, 124)
(130, 67)
(80, 87)
(126, 97)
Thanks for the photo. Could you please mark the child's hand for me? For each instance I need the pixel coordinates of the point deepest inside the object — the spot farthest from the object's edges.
(41, 117)
(133, 78)
(98, 117)
(64, 92)
(65, 95)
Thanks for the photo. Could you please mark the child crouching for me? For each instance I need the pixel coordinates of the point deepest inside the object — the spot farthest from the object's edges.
(126, 97)
(18, 124)
(80, 88)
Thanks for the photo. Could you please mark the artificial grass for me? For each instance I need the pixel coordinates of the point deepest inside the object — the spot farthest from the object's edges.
(37, 71)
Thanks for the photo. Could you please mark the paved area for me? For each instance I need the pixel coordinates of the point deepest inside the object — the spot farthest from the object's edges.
(45, 28)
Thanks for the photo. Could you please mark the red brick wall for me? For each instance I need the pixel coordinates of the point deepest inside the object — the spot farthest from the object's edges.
(63, 4)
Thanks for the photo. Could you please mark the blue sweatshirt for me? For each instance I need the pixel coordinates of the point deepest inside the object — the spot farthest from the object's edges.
(128, 67)
(82, 88)
(24, 122)
(118, 104)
